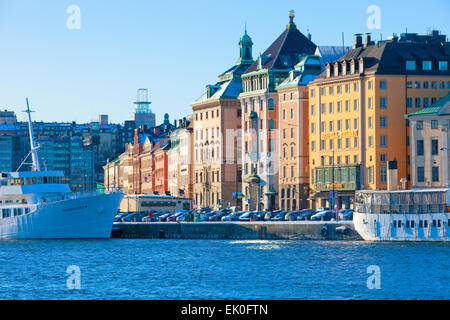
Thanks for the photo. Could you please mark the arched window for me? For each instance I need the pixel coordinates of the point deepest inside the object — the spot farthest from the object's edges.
(282, 193)
(271, 106)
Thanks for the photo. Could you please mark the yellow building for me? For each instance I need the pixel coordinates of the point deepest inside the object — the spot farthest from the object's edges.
(357, 109)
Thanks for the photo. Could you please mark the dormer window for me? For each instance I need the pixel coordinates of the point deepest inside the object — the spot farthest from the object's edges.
(344, 68)
(361, 66)
(328, 71)
(426, 65)
(352, 67)
(410, 65)
(336, 70)
(443, 65)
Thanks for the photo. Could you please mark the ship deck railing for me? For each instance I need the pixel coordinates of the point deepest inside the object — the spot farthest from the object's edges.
(400, 208)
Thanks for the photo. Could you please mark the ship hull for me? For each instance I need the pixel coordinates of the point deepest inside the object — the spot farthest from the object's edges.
(88, 217)
(413, 228)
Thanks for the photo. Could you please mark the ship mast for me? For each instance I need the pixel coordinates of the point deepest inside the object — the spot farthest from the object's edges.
(34, 148)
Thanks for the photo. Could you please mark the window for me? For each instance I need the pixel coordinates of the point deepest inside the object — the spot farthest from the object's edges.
(331, 107)
(435, 174)
(409, 84)
(355, 105)
(312, 93)
(370, 85)
(312, 109)
(383, 174)
(426, 84)
(417, 84)
(409, 102)
(347, 143)
(370, 103)
(383, 102)
(313, 127)
(370, 174)
(347, 106)
(419, 125)
(383, 84)
(370, 143)
(271, 105)
(347, 124)
(330, 90)
(418, 102)
(420, 174)
(383, 141)
(355, 123)
(434, 84)
(383, 122)
(434, 147)
(383, 157)
(419, 146)
(410, 65)
(330, 126)
(434, 124)
(443, 65)
(426, 102)
(339, 106)
(426, 65)
(441, 84)
(323, 108)
(370, 122)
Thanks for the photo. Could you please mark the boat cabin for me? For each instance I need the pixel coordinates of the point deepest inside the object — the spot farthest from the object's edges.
(420, 201)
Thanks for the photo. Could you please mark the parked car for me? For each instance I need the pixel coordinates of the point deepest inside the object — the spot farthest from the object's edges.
(205, 216)
(233, 216)
(346, 215)
(322, 209)
(120, 216)
(218, 216)
(323, 215)
(292, 216)
(306, 214)
(271, 214)
(280, 216)
(246, 216)
(163, 218)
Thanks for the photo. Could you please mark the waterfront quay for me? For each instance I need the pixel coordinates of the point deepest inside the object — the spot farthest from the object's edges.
(297, 230)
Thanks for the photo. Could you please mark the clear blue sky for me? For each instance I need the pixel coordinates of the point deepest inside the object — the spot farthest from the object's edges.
(175, 48)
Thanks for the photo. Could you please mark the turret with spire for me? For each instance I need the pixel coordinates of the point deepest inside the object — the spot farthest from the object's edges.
(246, 45)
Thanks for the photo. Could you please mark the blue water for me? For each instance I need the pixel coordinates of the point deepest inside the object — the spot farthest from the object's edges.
(199, 269)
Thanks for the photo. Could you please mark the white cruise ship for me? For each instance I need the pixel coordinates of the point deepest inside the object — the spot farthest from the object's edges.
(410, 215)
(39, 205)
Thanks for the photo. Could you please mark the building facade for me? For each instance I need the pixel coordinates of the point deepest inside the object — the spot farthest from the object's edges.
(357, 107)
(217, 129)
(430, 145)
(294, 136)
(260, 116)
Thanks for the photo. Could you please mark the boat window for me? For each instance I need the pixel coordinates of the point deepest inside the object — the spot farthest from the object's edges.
(27, 210)
(425, 223)
(434, 223)
(420, 224)
(407, 223)
(413, 224)
(6, 213)
(439, 223)
(45, 180)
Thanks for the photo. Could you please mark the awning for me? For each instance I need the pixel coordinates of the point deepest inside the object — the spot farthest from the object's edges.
(326, 194)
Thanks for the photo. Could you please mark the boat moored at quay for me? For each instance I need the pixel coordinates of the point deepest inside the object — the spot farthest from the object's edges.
(407, 215)
(39, 205)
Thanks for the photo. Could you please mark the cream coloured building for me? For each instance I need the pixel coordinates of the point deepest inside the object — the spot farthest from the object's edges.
(430, 145)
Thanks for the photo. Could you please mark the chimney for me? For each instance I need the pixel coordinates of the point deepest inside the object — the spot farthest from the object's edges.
(369, 41)
(392, 176)
(358, 41)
